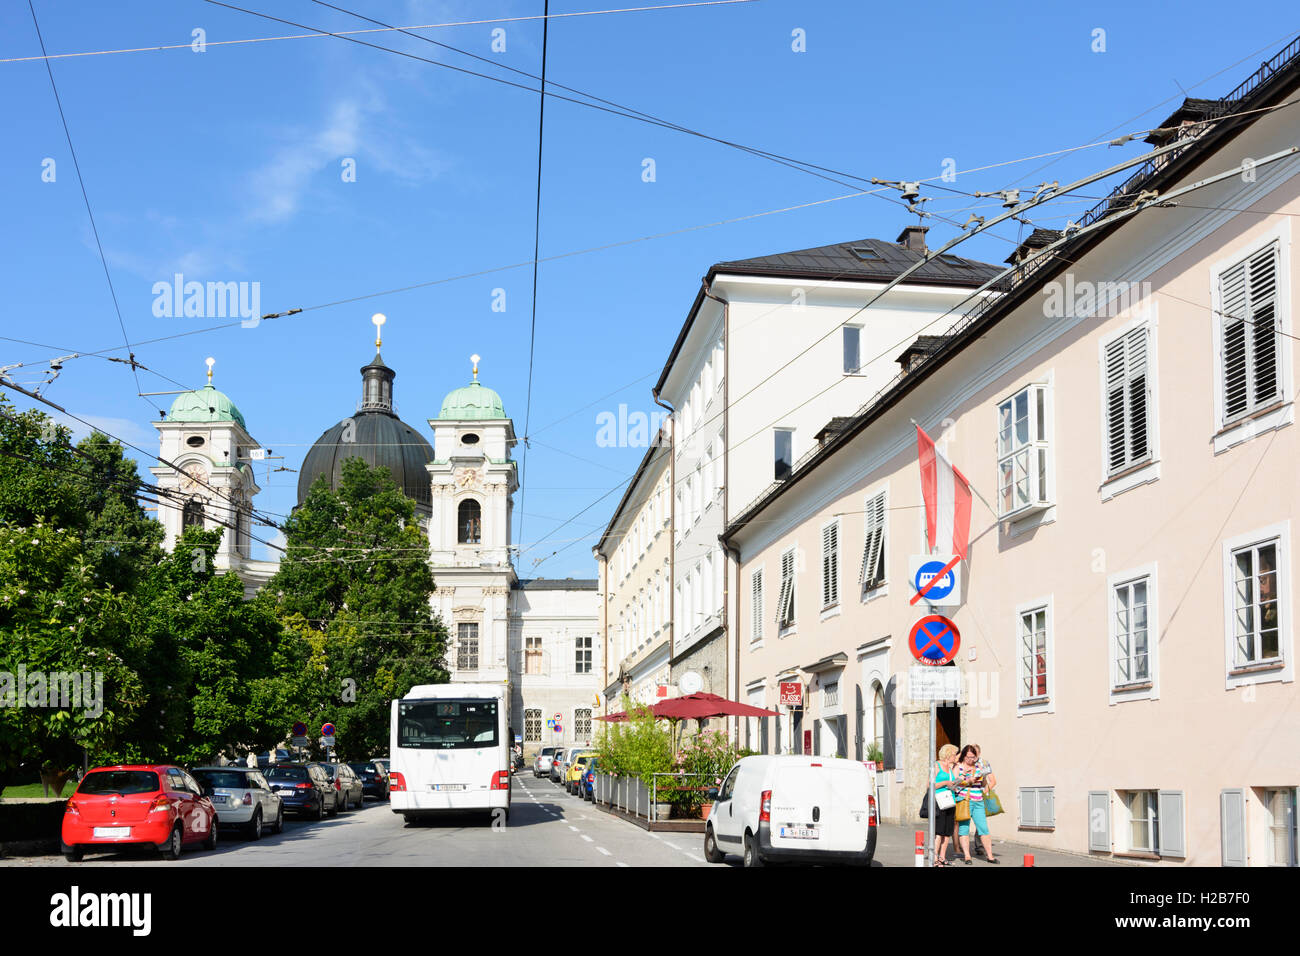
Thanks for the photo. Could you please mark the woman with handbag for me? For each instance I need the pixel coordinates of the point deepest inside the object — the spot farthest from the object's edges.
(945, 803)
(972, 784)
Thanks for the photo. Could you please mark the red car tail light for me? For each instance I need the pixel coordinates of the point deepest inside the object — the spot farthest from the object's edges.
(159, 803)
(765, 807)
(338, 785)
(396, 782)
(501, 780)
(71, 807)
(872, 819)
(302, 786)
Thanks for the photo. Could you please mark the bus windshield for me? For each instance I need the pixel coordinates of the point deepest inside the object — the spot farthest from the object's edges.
(447, 724)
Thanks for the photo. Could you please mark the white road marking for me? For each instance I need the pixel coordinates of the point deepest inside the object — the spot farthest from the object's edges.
(604, 851)
(587, 838)
(620, 863)
(573, 828)
(671, 846)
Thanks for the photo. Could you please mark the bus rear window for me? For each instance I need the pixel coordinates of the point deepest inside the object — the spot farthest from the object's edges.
(447, 724)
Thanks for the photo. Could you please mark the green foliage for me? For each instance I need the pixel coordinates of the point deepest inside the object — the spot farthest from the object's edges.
(636, 747)
(875, 753)
(354, 590)
(707, 759)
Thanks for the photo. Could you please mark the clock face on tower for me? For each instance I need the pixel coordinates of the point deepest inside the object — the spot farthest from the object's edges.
(192, 476)
(468, 478)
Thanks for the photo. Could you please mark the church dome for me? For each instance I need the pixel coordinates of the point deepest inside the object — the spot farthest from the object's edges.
(475, 402)
(205, 404)
(377, 436)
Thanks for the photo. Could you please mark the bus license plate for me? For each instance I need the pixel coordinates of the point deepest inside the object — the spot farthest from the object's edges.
(112, 833)
(446, 786)
(799, 833)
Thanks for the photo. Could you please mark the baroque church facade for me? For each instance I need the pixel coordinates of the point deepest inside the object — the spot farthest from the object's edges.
(541, 635)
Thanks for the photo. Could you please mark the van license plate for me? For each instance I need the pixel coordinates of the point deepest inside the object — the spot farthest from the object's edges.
(112, 833)
(799, 833)
(446, 786)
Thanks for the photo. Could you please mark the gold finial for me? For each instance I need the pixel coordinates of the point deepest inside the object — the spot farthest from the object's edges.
(474, 359)
(210, 362)
(379, 319)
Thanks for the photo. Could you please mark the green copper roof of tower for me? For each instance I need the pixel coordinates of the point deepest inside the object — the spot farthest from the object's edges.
(205, 405)
(473, 402)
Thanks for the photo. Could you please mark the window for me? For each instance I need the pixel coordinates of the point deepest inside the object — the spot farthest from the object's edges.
(1249, 334)
(582, 723)
(878, 717)
(831, 694)
(785, 601)
(873, 547)
(532, 726)
(1127, 401)
(467, 647)
(533, 655)
(1037, 807)
(1130, 631)
(1144, 824)
(1023, 477)
(469, 522)
(192, 516)
(718, 466)
(697, 499)
(708, 380)
(1280, 805)
(698, 576)
(831, 564)
(756, 607)
(582, 659)
(708, 476)
(852, 349)
(1255, 604)
(1033, 654)
(784, 452)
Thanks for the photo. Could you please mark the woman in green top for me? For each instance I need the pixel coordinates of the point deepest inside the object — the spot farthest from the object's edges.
(944, 819)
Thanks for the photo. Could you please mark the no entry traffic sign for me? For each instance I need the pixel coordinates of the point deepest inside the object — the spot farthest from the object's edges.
(934, 640)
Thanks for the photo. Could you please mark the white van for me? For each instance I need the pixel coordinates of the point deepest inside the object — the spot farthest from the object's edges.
(793, 809)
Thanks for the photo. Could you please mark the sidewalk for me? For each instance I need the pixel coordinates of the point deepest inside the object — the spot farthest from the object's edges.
(896, 846)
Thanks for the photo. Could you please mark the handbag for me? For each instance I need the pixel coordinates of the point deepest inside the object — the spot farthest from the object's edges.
(963, 810)
(944, 800)
(924, 812)
(992, 805)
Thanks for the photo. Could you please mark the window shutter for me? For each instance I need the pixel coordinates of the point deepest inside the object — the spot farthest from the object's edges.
(1169, 813)
(860, 720)
(830, 565)
(1127, 391)
(817, 738)
(1047, 807)
(891, 722)
(1099, 821)
(1028, 800)
(1250, 338)
(757, 581)
(787, 585)
(873, 547)
(1232, 827)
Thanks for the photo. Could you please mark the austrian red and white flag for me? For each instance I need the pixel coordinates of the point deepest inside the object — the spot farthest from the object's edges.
(947, 498)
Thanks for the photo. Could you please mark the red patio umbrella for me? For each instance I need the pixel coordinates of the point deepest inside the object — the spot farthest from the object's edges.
(621, 715)
(702, 706)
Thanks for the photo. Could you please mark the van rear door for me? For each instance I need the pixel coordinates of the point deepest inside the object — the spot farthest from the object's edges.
(819, 806)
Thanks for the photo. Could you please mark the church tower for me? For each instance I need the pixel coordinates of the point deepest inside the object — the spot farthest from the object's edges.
(205, 436)
(473, 479)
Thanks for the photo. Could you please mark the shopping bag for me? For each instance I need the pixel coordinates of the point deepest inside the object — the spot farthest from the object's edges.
(992, 805)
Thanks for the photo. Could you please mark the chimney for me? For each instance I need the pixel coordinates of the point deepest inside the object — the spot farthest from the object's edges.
(913, 238)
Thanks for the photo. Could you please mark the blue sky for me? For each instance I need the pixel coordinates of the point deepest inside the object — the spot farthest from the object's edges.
(226, 165)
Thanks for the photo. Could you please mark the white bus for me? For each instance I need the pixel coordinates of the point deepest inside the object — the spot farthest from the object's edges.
(450, 750)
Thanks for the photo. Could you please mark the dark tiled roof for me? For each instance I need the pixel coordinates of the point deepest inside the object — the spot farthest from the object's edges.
(924, 345)
(1192, 110)
(863, 260)
(834, 426)
(1035, 240)
(555, 584)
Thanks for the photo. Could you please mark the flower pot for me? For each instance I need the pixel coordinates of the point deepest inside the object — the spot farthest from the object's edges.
(663, 811)
(705, 810)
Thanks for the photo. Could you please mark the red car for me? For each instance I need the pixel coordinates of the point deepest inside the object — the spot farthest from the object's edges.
(135, 804)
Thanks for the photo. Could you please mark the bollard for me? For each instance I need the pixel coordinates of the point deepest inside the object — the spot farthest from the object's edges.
(920, 848)
(1029, 859)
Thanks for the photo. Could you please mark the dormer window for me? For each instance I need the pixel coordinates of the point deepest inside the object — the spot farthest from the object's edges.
(469, 439)
(195, 441)
(469, 522)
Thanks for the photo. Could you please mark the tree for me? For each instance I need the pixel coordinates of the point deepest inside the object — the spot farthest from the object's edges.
(355, 584)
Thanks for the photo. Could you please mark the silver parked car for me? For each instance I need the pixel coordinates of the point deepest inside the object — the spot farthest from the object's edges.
(242, 798)
(542, 765)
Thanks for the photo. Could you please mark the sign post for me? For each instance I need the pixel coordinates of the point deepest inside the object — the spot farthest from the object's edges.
(934, 641)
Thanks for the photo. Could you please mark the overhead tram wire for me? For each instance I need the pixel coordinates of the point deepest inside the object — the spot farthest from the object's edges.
(76, 165)
(189, 44)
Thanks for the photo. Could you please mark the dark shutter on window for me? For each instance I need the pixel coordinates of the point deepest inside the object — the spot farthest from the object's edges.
(859, 722)
(891, 723)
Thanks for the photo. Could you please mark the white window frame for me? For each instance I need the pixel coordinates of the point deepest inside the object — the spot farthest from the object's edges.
(793, 456)
(1134, 690)
(1136, 473)
(1037, 504)
(785, 610)
(1036, 704)
(844, 346)
(533, 651)
(533, 725)
(1275, 415)
(881, 548)
(579, 649)
(1285, 669)
(1152, 821)
(756, 597)
(462, 646)
(830, 564)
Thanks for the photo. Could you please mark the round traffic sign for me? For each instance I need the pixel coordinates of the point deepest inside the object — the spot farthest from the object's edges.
(327, 730)
(300, 729)
(558, 718)
(941, 588)
(934, 640)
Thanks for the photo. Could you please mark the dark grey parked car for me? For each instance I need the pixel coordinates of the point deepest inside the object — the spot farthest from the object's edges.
(351, 791)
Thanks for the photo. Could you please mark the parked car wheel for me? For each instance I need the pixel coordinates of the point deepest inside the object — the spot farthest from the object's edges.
(171, 850)
(320, 808)
(711, 851)
(72, 854)
(255, 827)
(279, 821)
(210, 841)
(334, 810)
(752, 859)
